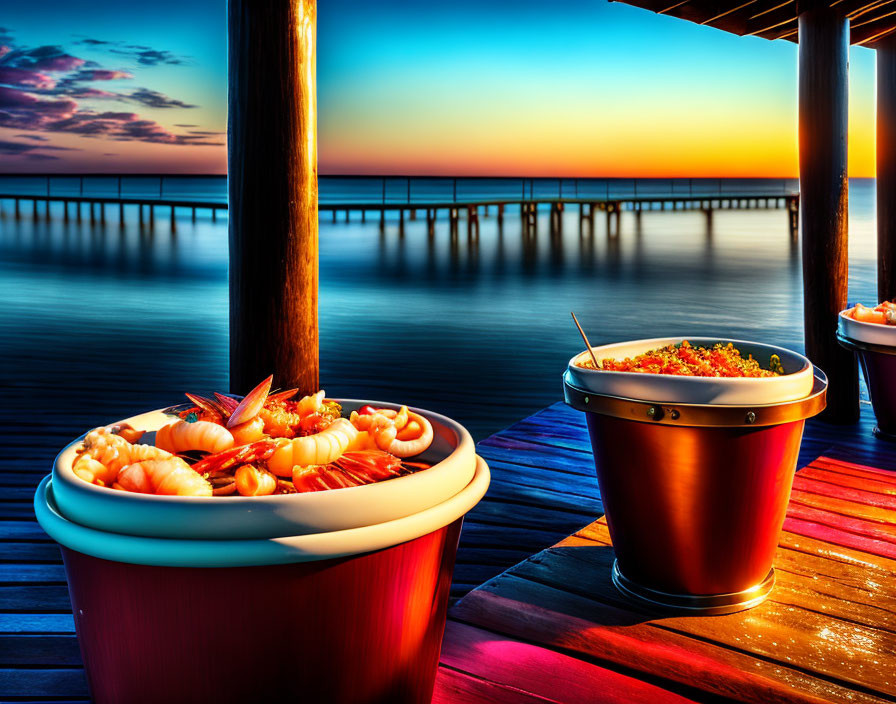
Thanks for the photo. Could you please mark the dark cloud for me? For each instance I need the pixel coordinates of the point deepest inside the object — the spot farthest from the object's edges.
(18, 100)
(41, 157)
(43, 58)
(73, 86)
(33, 101)
(207, 133)
(154, 99)
(11, 148)
(26, 78)
(8, 148)
(99, 75)
(180, 124)
(94, 93)
(146, 56)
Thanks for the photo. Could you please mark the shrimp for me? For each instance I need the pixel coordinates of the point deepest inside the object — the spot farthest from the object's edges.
(321, 448)
(202, 435)
(869, 315)
(104, 453)
(363, 441)
(127, 431)
(386, 437)
(170, 477)
(250, 431)
(251, 481)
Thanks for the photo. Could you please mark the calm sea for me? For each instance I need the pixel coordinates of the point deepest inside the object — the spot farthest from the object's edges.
(99, 321)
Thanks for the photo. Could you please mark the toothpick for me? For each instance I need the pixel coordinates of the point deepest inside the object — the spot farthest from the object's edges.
(585, 338)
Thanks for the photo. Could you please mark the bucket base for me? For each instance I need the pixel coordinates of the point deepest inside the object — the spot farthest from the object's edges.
(883, 434)
(690, 604)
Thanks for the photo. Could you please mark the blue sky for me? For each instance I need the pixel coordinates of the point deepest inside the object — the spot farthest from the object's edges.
(579, 88)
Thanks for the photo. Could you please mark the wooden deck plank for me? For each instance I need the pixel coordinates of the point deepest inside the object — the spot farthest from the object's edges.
(56, 682)
(577, 625)
(543, 672)
(826, 633)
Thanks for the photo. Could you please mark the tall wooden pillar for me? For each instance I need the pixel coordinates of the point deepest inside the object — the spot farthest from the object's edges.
(823, 93)
(272, 183)
(886, 168)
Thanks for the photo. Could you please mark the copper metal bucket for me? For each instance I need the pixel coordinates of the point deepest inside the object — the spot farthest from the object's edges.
(879, 367)
(695, 495)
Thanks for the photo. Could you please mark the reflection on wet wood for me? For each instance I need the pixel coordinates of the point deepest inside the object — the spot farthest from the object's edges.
(826, 633)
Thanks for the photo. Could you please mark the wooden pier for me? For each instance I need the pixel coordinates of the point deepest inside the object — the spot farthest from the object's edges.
(453, 211)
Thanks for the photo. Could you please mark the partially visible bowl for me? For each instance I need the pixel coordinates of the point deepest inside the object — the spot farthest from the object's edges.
(452, 455)
(870, 333)
(794, 384)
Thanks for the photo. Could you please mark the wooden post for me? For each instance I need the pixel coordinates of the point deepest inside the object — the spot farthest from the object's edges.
(823, 83)
(886, 168)
(272, 169)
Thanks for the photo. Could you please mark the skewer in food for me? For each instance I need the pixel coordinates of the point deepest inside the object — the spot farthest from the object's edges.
(267, 443)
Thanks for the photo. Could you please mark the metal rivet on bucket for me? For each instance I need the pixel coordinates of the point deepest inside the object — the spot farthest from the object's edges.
(751, 417)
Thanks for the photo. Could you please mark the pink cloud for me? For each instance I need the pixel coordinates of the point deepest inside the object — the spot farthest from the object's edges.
(64, 62)
(99, 74)
(26, 78)
(4, 50)
(13, 99)
(93, 93)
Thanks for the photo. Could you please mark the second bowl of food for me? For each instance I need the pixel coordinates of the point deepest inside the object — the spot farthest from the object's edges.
(702, 370)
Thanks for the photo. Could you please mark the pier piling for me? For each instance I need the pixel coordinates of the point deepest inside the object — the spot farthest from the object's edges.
(823, 100)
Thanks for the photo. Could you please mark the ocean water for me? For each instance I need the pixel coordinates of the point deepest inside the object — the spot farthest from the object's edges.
(100, 321)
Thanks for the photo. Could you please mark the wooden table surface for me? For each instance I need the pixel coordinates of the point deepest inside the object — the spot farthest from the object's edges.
(554, 629)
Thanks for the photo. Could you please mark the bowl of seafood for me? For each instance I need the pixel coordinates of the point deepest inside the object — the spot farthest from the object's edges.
(871, 334)
(874, 326)
(694, 370)
(694, 469)
(309, 531)
(266, 466)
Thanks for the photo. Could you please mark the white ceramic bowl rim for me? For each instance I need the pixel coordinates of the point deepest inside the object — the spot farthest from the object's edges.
(656, 342)
(670, 388)
(63, 464)
(240, 553)
(862, 331)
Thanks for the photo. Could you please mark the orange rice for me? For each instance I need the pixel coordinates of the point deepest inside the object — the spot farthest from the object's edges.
(685, 360)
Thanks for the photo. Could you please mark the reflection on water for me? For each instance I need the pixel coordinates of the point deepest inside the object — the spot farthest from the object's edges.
(99, 321)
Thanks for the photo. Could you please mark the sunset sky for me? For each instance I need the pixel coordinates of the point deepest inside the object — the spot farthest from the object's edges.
(580, 88)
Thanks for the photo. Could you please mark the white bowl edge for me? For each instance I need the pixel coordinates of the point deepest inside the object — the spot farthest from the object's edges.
(240, 553)
(266, 516)
(869, 333)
